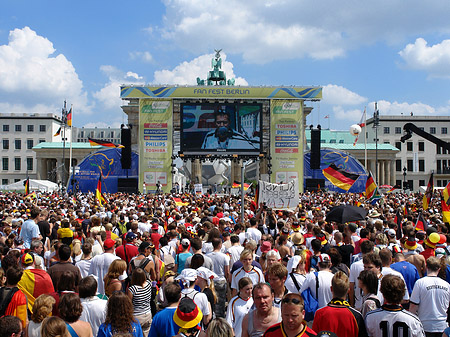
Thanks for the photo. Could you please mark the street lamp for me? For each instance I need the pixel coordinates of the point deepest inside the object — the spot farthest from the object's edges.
(404, 178)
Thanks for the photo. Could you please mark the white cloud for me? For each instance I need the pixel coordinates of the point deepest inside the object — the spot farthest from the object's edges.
(338, 95)
(33, 77)
(433, 59)
(144, 56)
(186, 73)
(267, 30)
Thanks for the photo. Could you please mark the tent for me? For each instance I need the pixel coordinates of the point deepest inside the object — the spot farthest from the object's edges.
(35, 185)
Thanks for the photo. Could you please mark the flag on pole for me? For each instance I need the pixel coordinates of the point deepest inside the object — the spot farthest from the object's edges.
(371, 186)
(340, 178)
(26, 183)
(445, 211)
(398, 220)
(428, 194)
(327, 116)
(421, 223)
(180, 202)
(446, 193)
(237, 184)
(57, 132)
(405, 210)
(69, 117)
(98, 192)
(99, 142)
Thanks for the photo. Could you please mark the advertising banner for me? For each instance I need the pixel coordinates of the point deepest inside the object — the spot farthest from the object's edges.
(155, 144)
(279, 196)
(286, 141)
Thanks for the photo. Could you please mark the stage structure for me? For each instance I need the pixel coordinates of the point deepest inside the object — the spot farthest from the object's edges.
(207, 122)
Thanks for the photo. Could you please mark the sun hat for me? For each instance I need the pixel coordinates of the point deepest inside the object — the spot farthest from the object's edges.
(187, 315)
(411, 243)
(297, 239)
(266, 246)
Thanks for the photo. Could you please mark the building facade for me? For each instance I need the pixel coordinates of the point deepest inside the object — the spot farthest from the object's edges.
(108, 134)
(20, 133)
(417, 158)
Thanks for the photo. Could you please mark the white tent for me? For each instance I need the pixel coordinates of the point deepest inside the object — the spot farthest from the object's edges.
(35, 185)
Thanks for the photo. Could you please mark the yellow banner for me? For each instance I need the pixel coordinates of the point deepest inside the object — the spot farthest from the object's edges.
(286, 141)
(155, 145)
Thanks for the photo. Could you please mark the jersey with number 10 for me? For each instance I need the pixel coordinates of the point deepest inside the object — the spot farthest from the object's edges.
(393, 321)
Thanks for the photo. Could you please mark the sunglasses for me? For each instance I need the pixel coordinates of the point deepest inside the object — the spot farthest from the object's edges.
(291, 300)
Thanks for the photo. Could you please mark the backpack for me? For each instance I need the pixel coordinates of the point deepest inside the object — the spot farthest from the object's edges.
(169, 263)
(311, 304)
(144, 262)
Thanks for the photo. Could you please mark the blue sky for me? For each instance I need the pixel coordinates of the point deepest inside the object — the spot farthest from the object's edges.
(394, 52)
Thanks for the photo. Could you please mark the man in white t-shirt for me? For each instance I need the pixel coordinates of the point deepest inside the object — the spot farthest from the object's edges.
(100, 264)
(221, 265)
(324, 277)
(355, 293)
(253, 232)
(430, 299)
(235, 250)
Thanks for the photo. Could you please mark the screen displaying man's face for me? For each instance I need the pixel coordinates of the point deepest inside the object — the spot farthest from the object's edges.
(222, 124)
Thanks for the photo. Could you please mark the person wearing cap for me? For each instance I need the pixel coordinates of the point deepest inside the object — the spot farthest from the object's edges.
(144, 261)
(100, 263)
(292, 322)
(128, 250)
(338, 316)
(30, 229)
(181, 257)
(321, 291)
(430, 299)
(188, 317)
(155, 236)
(296, 273)
(34, 282)
(188, 277)
(412, 256)
(391, 319)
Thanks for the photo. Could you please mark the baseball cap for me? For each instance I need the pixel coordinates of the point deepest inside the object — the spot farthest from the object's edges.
(324, 258)
(155, 226)
(109, 243)
(27, 259)
(130, 236)
(185, 242)
(391, 232)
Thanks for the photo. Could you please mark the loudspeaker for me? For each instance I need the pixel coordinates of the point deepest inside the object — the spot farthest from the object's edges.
(315, 149)
(125, 140)
(313, 184)
(127, 185)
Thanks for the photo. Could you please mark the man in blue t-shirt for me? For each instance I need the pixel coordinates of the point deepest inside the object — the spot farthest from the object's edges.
(163, 323)
(408, 270)
(30, 229)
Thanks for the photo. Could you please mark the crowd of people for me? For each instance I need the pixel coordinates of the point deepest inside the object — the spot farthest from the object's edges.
(188, 265)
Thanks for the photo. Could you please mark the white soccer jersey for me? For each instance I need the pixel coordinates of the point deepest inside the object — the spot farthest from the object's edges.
(237, 309)
(355, 269)
(393, 321)
(432, 294)
(255, 274)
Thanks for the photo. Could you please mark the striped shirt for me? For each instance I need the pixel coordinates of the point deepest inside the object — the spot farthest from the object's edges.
(142, 297)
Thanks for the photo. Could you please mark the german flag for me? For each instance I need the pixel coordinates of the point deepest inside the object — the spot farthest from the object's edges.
(446, 194)
(371, 186)
(428, 194)
(340, 178)
(69, 118)
(421, 223)
(98, 193)
(26, 183)
(57, 132)
(445, 211)
(237, 184)
(99, 142)
(180, 202)
(35, 282)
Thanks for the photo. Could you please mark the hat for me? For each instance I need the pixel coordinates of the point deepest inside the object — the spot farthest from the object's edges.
(144, 245)
(322, 238)
(411, 243)
(391, 232)
(188, 274)
(155, 226)
(109, 243)
(297, 239)
(324, 258)
(130, 236)
(187, 315)
(440, 251)
(206, 274)
(185, 242)
(374, 214)
(266, 246)
(395, 249)
(293, 263)
(27, 259)
(285, 230)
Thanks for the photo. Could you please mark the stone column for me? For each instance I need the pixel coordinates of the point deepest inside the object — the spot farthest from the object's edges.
(381, 174)
(196, 171)
(235, 171)
(392, 176)
(387, 173)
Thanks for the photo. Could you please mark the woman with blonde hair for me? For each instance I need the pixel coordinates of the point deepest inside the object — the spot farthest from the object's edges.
(42, 308)
(54, 327)
(115, 276)
(205, 281)
(219, 327)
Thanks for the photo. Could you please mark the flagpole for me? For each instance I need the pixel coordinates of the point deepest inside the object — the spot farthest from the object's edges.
(70, 151)
(64, 113)
(365, 138)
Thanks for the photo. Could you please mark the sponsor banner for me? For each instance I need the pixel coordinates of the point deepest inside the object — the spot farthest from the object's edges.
(155, 144)
(309, 93)
(279, 196)
(286, 143)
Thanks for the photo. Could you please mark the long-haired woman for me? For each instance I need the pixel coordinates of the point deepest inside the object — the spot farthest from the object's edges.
(113, 279)
(140, 293)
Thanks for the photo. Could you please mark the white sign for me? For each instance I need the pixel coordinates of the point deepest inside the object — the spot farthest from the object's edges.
(198, 189)
(279, 196)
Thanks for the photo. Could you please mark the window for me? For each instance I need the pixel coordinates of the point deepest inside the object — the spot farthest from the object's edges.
(386, 130)
(17, 144)
(42, 128)
(422, 128)
(81, 134)
(422, 183)
(398, 182)
(41, 140)
(411, 184)
(30, 164)
(409, 146)
(30, 128)
(18, 128)
(16, 180)
(433, 130)
(4, 181)
(332, 141)
(386, 142)
(341, 141)
(421, 165)
(102, 134)
(29, 144)
(409, 165)
(444, 131)
(17, 164)
(5, 144)
(92, 134)
(5, 164)
(398, 145)
(438, 149)
(421, 146)
(112, 134)
(398, 130)
(5, 128)
(438, 165)
(398, 165)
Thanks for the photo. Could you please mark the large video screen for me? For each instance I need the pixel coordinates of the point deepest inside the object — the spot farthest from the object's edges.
(217, 128)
